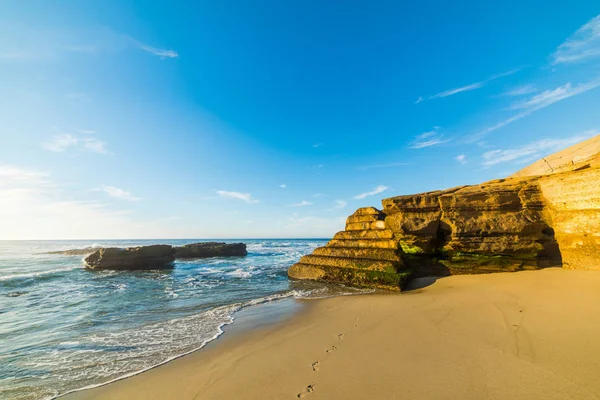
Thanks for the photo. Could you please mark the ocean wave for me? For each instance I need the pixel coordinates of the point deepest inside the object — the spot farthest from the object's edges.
(36, 274)
(171, 337)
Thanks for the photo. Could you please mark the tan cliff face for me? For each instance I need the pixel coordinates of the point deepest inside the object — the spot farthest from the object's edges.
(527, 221)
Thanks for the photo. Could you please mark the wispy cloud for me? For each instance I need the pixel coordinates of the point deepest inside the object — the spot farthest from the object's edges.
(95, 145)
(303, 203)
(119, 194)
(247, 197)
(520, 90)
(390, 165)
(317, 145)
(33, 206)
(461, 158)
(60, 142)
(63, 141)
(283, 186)
(469, 87)
(551, 96)
(340, 204)
(538, 102)
(377, 190)
(532, 151)
(583, 45)
(428, 139)
(160, 52)
(14, 173)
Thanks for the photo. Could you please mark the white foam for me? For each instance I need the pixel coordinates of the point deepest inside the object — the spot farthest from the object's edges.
(37, 273)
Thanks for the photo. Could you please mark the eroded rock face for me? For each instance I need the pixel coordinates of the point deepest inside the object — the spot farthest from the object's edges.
(211, 249)
(493, 227)
(365, 254)
(573, 209)
(143, 257)
(546, 215)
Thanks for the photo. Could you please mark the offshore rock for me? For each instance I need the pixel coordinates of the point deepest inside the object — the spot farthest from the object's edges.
(211, 249)
(143, 257)
(546, 215)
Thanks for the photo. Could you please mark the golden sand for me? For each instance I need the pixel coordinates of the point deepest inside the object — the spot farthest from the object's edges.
(524, 335)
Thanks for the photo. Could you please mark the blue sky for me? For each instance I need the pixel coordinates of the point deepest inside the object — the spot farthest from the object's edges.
(156, 119)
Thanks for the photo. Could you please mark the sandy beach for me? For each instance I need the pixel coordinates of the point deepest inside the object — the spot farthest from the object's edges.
(524, 335)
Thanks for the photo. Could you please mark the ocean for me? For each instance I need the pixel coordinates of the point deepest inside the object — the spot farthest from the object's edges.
(63, 327)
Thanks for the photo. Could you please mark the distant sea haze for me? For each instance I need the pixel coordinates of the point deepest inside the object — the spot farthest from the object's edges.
(63, 327)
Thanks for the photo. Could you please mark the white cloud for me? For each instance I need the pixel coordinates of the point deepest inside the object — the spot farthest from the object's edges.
(451, 92)
(60, 142)
(419, 100)
(377, 190)
(470, 87)
(340, 204)
(10, 173)
(32, 206)
(247, 197)
(63, 141)
(303, 203)
(428, 139)
(532, 151)
(162, 53)
(551, 96)
(584, 44)
(365, 167)
(520, 90)
(283, 186)
(120, 194)
(540, 101)
(317, 145)
(95, 145)
(461, 158)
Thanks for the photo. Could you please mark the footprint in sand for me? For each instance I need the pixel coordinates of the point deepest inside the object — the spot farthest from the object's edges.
(309, 389)
(340, 336)
(333, 348)
(315, 366)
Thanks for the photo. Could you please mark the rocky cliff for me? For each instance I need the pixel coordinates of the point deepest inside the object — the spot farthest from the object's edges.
(527, 221)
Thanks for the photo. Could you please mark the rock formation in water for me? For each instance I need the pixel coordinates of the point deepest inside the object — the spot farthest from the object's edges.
(142, 257)
(211, 249)
(155, 256)
(527, 221)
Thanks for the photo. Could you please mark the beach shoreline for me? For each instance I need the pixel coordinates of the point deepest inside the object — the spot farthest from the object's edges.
(530, 334)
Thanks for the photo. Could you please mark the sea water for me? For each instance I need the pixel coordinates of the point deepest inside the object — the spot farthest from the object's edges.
(64, 327)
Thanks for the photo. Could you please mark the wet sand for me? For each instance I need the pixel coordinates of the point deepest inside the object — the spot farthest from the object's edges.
(524, 335)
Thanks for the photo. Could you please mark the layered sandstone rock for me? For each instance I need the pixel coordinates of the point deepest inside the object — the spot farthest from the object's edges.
(211, 249)
(573, 209)
(493, 227)
(365, 254)
(547, 214)
(143, 257)
(579, 156)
